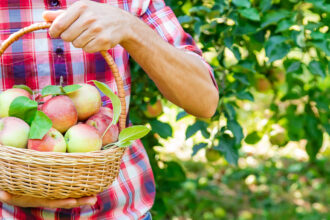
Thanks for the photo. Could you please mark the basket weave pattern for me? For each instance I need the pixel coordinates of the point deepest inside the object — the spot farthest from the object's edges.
(60, 175)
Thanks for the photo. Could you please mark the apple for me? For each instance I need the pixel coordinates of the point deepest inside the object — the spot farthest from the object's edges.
(62, 112)
(101, 123)
(212, 155)
(7, 97)
(279, 138)
(263, 85)
(87, 100)
(277, 75)
(53, 141)
(83, 138)
(106, 111)
(14, 132)
(154, 110)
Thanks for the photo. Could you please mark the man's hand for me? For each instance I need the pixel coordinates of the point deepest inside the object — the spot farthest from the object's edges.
(181, 77)
(30, 202)
(90, 25)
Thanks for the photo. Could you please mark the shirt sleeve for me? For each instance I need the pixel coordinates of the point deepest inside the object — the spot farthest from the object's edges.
(162, 19)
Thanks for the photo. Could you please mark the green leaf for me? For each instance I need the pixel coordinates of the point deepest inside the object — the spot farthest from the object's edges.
(274, 17)
(40, 126)
(163, 129)
(181, 115)
(173, 172)
(227, 147)
(276, 48)
(323, 45)
(198, 147)
(230, 112)
(316, 35)
(25, 87)
(24, 108)
(265, 5)
(116, 104)
(242, 3)
(316, 68)
(228, 41)
(132, 133)
(245, 28)
(284, 25)
(51, 90)
(244, 95)
(71, 88)
(253, 138)
(236, 52)
(124, 144)
(237, 130)
(192, 129)
(250, 13)
(293, 66)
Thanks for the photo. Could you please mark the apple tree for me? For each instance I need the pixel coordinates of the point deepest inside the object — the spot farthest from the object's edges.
(276, 47)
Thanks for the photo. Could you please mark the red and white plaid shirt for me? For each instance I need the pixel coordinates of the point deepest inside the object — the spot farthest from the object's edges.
(37, 60)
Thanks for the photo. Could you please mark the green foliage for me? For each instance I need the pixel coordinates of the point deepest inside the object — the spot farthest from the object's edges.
(244, 41)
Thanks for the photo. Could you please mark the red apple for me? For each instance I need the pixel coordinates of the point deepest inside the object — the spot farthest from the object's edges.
(106, 111)
(101, 122)
(7, 97)
(62, 112)
(14, 132)
(263, 85)
(83, 138)
(87, 100)
(53, 141)
(154, 110)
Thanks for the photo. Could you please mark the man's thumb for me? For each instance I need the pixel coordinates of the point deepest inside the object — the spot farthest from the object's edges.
(51, 15)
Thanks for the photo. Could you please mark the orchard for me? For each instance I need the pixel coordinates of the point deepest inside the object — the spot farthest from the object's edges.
(271, 63)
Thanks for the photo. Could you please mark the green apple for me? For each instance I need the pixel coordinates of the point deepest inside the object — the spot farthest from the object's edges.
(212, 155)
(87, 100)
(83, 138)
(14, 132)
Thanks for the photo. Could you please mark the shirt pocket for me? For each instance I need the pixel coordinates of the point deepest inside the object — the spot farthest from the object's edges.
(17, 69)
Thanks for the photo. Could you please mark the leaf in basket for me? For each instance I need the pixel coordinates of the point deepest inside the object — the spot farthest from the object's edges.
(71, 88)
(24, 108)
(24, 87)
(40, 126)
(51, 90)
(132, 133)
(124, 144)
(114, 99)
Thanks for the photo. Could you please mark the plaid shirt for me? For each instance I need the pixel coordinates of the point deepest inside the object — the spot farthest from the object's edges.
(37, 60)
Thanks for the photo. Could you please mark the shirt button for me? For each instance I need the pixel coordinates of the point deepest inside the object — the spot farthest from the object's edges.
(54, 3)
(59, 51)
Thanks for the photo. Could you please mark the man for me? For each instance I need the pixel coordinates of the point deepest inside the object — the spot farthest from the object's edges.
(148, 31)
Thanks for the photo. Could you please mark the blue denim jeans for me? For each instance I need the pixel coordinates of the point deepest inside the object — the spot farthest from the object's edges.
(147, 216)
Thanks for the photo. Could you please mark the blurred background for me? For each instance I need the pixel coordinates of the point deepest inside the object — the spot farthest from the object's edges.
(265, 154)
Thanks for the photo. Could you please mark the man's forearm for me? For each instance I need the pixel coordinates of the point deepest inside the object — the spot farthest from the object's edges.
(181, 77)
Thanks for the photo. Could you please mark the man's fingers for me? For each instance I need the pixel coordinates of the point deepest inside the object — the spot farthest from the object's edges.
(64, 20)
(5, 197)
(77, 27)
(51, 15)
(87, 201)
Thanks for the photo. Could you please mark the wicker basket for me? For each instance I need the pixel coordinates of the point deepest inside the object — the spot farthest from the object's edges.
(60, 175)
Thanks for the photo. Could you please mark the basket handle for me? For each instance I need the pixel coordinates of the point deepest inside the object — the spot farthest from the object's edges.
(119, 82)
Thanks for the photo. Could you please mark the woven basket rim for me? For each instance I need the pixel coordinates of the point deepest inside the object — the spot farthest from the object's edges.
(61, 154)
